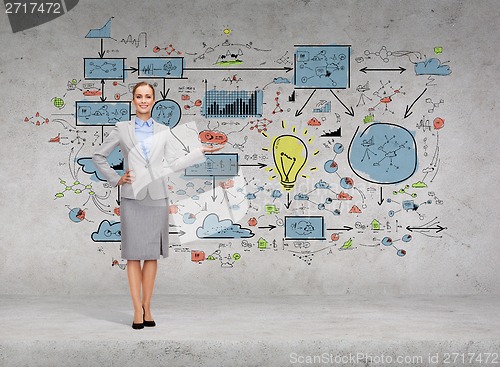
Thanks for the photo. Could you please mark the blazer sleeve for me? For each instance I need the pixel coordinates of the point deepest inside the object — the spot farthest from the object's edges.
(175, 160)
(101, 153)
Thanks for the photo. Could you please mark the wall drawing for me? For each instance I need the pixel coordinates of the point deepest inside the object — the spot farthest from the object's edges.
(329, 150)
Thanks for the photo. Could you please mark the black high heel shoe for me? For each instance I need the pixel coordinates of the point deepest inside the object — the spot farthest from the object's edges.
(138, 326)
(147, 323)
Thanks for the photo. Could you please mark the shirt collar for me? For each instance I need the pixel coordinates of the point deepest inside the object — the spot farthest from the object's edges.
(141, 123)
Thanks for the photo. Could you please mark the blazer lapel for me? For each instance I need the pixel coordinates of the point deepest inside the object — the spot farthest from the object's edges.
(131, 131)
(156, 138)
(135, 144)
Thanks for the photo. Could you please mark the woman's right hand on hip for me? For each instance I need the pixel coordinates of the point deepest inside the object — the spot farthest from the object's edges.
(126, 178)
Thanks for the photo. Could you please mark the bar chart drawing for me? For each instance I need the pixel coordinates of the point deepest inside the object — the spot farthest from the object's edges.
(323, 107)
(238, 104)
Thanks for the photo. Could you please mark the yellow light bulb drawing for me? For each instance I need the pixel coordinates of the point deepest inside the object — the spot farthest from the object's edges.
(290, 155)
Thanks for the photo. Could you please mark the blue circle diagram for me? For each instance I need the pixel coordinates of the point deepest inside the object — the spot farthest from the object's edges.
(338, 148)
(331, 166)
(346, 183)
(166, 112)
(383, 153)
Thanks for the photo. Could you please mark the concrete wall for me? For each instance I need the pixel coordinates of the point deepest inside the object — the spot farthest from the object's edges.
(45, 248)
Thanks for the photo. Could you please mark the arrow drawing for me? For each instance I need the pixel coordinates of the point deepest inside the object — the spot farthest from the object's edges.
(271, 227)
(346, 228)
(260, 165)
(438, 227)
(400, 69)
(285, 68)
(299, 112)
(432, 225)
(408, 108)
(349, 111)
(381, 197)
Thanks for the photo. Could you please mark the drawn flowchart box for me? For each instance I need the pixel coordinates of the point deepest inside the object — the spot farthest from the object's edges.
(98, 69)
(304, 228)
(224, 164)
(102, 113)
(322, 66)
(160, 67)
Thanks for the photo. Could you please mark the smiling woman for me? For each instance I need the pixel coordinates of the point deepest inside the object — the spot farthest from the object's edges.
(143, 100)
(146, 146)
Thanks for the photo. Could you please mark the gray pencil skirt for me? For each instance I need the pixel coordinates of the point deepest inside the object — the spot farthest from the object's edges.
(144, 228)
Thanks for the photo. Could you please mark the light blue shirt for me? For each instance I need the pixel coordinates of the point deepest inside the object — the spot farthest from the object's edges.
(144, 135)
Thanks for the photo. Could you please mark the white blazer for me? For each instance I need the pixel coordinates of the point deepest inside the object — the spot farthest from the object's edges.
(149, 175)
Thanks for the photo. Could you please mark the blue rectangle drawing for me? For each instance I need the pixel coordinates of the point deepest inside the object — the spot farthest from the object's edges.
(160, 67)
(224, 164)
(102, 113)
(322, 66)
(98, 69)
(304, 228)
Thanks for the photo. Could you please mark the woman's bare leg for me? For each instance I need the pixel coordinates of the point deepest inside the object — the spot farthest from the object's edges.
(148, 283)
(135, 281)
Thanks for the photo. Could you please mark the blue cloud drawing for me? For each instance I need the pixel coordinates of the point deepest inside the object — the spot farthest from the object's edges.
(214, 228)
(432, 66)
(280, 80)
(107, 232)
(301, 197)
(115, 160)
(276, 194)
(322, 185)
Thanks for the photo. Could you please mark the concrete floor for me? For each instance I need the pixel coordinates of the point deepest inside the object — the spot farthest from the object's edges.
(245, 331)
